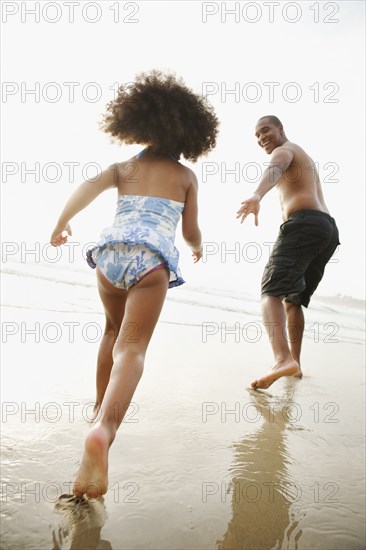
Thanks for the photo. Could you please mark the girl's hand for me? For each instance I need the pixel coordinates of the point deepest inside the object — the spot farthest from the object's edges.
(197, 255)
(60, 236)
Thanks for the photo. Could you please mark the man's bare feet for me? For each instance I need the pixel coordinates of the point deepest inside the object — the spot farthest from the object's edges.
(299, 374)
(286, 368)
(92, 477)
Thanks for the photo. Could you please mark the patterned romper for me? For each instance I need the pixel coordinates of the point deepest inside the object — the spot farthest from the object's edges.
(140, 241)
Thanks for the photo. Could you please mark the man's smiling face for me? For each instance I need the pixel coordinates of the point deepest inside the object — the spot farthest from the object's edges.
(269, 135)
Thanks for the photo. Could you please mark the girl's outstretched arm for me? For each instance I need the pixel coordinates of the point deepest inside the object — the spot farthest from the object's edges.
(191, 231)
(81, 197)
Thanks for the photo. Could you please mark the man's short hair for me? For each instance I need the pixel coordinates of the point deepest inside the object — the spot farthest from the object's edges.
(276, 121)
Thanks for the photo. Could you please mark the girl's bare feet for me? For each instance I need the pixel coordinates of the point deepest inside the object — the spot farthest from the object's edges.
(96, 414)
(92, 477)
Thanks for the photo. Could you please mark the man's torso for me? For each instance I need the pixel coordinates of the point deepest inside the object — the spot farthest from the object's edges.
(299, 186)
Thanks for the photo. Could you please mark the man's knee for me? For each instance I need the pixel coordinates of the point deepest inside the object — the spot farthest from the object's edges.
(290, 306)
(268, 297)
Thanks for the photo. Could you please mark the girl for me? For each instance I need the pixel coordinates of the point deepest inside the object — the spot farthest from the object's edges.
(136, 260)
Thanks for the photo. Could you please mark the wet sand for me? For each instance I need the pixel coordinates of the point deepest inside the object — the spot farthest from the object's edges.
(201, 461)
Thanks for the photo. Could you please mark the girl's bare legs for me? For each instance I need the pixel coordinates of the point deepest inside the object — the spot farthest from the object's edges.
(114, 306)
(143, 305)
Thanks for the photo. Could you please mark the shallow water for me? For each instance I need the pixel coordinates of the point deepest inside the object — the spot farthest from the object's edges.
(200, 461)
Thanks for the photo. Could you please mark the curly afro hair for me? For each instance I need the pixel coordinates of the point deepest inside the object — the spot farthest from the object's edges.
(160, 111)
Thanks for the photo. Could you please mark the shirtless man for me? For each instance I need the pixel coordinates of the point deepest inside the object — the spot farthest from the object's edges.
(306, 242)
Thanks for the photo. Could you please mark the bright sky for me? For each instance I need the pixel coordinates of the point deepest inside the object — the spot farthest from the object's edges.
(302, 61)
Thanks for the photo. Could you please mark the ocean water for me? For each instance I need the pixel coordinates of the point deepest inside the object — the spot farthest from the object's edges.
(333, 318)
(200, 461)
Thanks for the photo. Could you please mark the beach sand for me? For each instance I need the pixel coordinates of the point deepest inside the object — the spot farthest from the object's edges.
(201, 461)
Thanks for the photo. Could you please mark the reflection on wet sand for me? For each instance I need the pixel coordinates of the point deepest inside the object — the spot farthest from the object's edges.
(81, 523)
(262, 491)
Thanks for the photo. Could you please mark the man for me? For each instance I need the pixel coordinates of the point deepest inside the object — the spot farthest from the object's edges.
(306, 242)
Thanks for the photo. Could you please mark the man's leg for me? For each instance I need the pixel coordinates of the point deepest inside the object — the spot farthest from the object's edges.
(295, 328)
(274, 319)
(313, 275)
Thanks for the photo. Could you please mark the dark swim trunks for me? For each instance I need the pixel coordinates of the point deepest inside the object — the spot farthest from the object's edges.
(304, 246)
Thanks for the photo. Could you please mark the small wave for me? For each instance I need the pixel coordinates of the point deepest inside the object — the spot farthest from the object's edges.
(348, 310)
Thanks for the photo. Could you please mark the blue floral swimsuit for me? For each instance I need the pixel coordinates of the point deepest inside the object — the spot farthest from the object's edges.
(140, 241)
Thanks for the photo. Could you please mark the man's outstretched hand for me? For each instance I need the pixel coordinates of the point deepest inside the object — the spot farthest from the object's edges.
(249, 206)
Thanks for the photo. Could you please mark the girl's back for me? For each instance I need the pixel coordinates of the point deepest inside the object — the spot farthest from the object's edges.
(152, 175)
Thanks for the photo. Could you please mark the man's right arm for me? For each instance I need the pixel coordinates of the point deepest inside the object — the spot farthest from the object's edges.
(280, 161)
